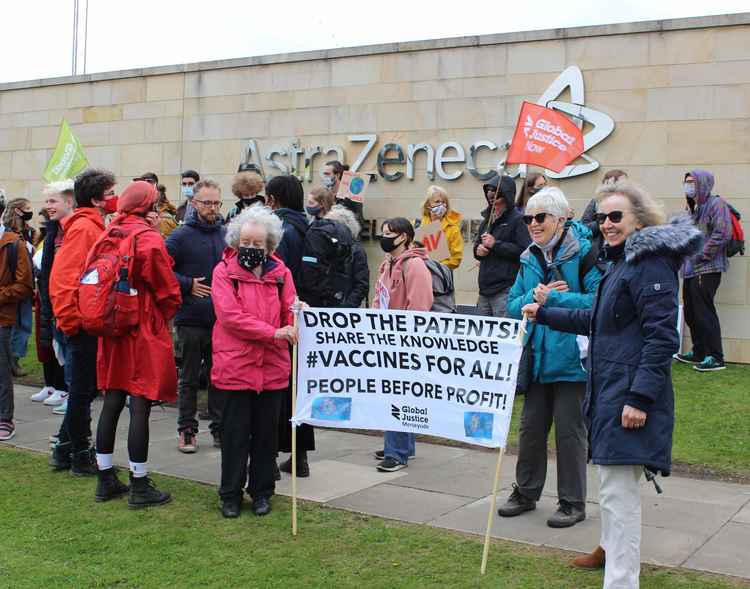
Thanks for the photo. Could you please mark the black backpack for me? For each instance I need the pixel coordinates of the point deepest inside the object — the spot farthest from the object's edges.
(326, 264)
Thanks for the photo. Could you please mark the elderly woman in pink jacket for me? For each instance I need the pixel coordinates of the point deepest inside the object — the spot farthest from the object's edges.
(404, 282)
(253, 294)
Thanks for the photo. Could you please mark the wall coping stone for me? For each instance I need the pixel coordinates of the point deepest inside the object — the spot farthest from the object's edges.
(650, 26)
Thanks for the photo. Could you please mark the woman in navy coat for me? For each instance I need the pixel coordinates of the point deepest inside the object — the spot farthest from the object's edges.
(632, 329)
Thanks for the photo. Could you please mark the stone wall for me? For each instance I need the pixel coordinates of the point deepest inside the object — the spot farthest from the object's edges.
(679, 92)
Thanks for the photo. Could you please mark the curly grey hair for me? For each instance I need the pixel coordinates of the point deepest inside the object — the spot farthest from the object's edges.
(646, 210)
(259, 215)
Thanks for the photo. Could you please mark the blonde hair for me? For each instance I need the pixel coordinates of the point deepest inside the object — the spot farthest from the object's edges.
(247, 184)
(324, 197)
(646, 210)
(433, 191)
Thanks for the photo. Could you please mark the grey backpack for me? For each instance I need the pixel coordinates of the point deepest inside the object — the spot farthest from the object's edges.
(443, 291)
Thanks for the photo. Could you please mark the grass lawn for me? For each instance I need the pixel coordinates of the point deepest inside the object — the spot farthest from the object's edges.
(55, 535)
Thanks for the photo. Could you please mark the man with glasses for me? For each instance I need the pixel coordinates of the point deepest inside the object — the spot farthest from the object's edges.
(196, 248)
(500, 241)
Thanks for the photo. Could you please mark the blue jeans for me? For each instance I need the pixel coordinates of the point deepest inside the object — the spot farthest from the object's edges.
(19, 339)
(400, 445)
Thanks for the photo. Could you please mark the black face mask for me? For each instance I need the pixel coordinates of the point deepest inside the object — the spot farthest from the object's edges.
(250, 258)
(249, 201)
(26, 215)
(389, 243)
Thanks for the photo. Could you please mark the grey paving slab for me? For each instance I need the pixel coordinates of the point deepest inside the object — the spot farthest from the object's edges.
(743, 515)
(402, 503)
(335, 479)
(726, 553)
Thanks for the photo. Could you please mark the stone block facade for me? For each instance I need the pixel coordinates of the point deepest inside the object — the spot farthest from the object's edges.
(679, 92)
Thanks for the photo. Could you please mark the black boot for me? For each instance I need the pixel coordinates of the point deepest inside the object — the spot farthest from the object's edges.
(59, 456)
(84, 463)
(303, 468)
(143, 493)
(108, 486)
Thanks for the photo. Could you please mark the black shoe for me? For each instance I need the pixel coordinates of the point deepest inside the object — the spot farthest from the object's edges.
(276, 473)
(380, 455)
(566, 515)
(59, 456)
(390, 465)
(230, 508)
(516, 504)
(217, 439)
(108, 486)
(84, 463)
(261, 506)
(143, 493)
(303, 468)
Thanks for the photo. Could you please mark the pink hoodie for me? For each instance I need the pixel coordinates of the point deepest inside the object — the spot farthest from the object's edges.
(404, 282)
(249, 310)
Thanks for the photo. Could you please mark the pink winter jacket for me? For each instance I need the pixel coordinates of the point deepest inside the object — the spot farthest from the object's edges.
(412, 292)
(249, 310)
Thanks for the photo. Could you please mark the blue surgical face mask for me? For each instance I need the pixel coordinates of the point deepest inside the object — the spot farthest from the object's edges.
(689, 189)
(187, 192)
(314, 211)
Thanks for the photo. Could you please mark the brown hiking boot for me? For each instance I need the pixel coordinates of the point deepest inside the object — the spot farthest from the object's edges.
(595, 560)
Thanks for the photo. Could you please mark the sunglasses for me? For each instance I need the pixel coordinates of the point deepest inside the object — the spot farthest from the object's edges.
(539, 218)
(614, 216)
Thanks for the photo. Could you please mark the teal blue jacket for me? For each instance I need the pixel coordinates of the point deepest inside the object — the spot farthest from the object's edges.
(556, 354)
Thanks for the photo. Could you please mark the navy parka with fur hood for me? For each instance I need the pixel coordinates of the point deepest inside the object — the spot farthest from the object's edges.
(633, 335)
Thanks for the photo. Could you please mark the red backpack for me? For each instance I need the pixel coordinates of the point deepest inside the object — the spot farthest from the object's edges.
(736, 244)
(106, 300)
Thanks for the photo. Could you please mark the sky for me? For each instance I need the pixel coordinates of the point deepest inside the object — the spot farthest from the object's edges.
(36, 35)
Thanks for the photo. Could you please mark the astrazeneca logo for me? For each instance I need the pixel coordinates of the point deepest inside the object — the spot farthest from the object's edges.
(449, 159)
(412, 417)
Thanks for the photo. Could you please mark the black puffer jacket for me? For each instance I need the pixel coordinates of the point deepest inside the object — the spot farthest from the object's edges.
(498, 269)
(632, 331)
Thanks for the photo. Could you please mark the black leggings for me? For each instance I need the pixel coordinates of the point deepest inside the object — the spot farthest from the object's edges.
(54, 375)
(140, 410)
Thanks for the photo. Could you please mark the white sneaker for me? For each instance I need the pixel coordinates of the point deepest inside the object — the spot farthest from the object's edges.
(43, 394)
(55, 398)
(62, 407)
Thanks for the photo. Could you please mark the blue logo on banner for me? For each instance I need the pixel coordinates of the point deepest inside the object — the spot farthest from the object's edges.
(332, 408)
(478, 425)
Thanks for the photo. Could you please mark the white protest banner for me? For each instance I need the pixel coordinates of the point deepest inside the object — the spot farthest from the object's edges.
(434, 240)
(439, 374)
(353, 186)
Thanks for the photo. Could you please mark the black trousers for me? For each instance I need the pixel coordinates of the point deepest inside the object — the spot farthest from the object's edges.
(54, 375)
(544, 403)
(249, 430)
(76, 426)
(700, 314)
(305, 433)
(195, 343)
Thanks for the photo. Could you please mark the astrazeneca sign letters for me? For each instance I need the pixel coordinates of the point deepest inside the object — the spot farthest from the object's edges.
(298, 159)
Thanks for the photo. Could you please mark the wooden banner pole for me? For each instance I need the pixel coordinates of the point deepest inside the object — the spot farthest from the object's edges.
(491, 515)
(294, 429)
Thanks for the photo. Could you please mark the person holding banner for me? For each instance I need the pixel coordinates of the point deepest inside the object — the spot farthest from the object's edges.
(554, 271)
(253, 293)
(404, 282)
(500, 241)
(629, 406)
(437, 207)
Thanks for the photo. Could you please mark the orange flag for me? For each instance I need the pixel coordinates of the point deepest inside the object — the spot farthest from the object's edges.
(544, 138)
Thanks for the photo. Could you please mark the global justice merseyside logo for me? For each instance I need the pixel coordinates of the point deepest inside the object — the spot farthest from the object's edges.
(450, 159)
(409, 416)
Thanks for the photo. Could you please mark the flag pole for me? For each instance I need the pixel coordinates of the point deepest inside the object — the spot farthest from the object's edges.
(294, 429)
(496, 482)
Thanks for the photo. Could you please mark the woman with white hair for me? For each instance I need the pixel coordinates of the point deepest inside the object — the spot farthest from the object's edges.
(556, 270)
(253, 293)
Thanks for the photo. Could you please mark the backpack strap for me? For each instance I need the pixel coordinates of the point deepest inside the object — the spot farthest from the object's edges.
(588, 262)
(298, 225)
(12, 259)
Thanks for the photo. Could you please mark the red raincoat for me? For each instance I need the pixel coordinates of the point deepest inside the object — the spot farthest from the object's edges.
(142, 362)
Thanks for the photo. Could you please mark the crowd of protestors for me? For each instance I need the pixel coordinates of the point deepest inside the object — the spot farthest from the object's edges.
(213, 298)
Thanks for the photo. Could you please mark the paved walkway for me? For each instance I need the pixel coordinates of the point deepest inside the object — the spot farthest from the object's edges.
(701, 525)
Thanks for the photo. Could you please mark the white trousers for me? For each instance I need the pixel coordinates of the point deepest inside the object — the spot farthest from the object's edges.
(620, 504)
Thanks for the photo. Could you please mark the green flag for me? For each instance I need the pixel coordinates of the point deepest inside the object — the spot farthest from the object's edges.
(68, 158)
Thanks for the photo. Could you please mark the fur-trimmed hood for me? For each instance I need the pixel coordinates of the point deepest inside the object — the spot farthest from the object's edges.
(678, 238)
(342, 215)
